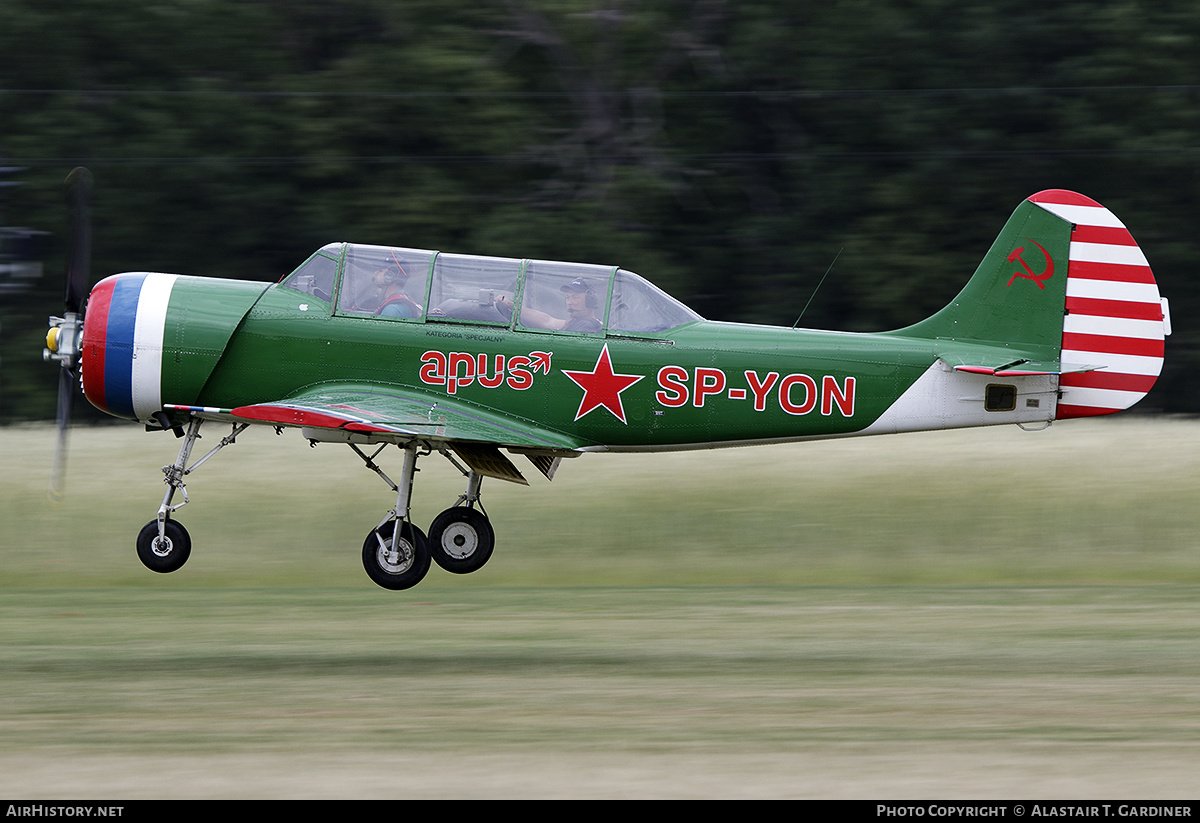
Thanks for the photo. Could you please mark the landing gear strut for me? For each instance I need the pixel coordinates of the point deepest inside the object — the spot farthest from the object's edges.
(397, 554)
(461, 538)
(163, 545)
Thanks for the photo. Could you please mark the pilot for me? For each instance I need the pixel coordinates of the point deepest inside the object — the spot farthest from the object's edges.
(582, 302)
(391, 279)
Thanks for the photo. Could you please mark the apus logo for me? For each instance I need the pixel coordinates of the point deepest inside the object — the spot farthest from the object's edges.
(1040, 279)
(456, 370)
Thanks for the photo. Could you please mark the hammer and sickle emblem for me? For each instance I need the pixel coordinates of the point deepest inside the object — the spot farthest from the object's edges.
(1046, 274)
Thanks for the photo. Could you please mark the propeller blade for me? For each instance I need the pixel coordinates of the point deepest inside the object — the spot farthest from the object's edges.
(79, 256)
(79, 238)
(58, 470)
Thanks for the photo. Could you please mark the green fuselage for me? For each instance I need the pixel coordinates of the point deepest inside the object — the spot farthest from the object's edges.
(702, 383)
(568, 357)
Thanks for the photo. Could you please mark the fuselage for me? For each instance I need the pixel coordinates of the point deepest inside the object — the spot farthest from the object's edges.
(156, 340)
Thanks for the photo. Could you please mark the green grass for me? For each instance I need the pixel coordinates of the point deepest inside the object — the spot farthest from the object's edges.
(685, 691)
(958, 615)
(1108, 501)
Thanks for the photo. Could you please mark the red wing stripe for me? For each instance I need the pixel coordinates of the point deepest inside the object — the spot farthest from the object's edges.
(377, 427)
(1112, 345)
(286, 415)
(1114, 308)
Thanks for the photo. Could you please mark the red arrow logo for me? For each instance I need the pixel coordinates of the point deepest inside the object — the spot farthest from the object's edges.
(541, 361)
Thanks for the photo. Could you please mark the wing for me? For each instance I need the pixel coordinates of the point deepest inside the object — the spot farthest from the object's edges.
(353, 412)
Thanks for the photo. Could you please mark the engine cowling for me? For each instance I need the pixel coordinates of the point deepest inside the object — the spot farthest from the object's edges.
(151, 338)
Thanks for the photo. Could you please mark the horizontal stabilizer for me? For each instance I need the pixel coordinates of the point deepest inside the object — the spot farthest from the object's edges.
(1002, 371)
(1015, 371)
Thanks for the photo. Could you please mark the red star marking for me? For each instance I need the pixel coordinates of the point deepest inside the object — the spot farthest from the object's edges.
(601, 387)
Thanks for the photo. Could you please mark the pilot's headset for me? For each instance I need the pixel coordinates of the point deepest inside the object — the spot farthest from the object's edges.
(581, 285)
(393, 273)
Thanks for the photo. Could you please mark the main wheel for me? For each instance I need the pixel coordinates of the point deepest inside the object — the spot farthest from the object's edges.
(396, 567)
(163, 554)
(461, 540)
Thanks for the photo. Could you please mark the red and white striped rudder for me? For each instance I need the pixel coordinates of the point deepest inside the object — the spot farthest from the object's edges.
(1115, 321)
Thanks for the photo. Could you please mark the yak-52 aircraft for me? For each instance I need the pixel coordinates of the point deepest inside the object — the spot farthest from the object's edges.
(475, 357)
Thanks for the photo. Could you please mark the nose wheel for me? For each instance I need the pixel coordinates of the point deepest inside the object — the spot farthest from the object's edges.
(166, 552)
(163, 545)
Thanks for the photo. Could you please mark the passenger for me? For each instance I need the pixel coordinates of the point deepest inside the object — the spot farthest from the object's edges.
(391, 279)
(582, 302)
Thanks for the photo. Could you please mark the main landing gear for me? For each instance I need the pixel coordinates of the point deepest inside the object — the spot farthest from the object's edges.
(396, 554)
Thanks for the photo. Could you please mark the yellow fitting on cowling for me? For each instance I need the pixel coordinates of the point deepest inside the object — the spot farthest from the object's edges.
(52, 339)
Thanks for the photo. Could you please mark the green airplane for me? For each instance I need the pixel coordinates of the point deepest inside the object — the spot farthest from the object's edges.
(481, 359)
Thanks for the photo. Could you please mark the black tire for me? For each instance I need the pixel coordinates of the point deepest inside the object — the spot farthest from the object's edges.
(390, 569)
(461, 540)
(163, 556)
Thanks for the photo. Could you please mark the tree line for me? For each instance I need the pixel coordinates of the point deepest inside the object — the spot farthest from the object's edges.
(727, 151)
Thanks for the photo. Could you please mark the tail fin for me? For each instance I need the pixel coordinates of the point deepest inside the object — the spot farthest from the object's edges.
(1063, 290)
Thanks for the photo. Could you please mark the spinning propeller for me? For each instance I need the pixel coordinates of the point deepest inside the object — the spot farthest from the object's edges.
(63, 339)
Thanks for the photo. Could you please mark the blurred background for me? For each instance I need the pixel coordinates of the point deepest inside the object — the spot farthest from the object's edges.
(956, 614)
(727, 151)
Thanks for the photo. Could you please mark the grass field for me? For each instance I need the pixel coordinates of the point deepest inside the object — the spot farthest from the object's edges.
(989, 613)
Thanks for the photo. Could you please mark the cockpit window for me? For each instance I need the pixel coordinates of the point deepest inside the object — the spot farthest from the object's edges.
(640, 307)
(473, 289)
(384, 281)
(316, 275)
(544, 295)
(564, 296)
